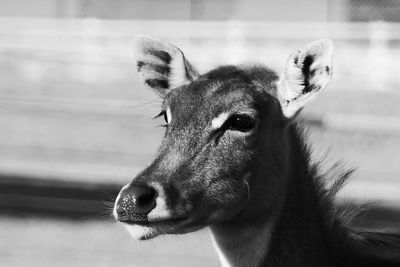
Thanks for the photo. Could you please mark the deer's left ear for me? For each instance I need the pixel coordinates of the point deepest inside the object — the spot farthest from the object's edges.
(307, 72)
(162, 66)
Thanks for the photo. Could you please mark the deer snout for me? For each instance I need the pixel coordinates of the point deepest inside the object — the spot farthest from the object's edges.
(134, 202)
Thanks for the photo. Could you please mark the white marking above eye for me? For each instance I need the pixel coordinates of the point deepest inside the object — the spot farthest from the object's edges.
(218, 121)
(169, 115)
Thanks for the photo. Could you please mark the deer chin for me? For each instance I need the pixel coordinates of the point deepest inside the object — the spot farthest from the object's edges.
(140, 232)
(151, 229)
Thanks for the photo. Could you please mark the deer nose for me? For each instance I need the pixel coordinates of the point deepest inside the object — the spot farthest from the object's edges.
(135, 202)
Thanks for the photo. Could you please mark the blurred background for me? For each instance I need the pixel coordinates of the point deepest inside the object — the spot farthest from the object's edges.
(76, 123)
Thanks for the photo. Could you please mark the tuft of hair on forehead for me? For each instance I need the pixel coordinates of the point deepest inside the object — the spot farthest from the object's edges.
(258, 75)
(243, 72)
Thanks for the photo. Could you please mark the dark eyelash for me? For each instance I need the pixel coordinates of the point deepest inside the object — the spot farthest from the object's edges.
(162, 113)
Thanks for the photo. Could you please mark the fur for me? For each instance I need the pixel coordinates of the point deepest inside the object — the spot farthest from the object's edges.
(255, 186)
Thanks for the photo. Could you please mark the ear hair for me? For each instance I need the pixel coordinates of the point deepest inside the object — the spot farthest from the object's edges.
(162, 66)
(307, 72)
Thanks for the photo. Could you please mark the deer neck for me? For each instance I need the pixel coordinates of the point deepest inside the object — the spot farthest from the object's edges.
(292, 236)
(241, 245)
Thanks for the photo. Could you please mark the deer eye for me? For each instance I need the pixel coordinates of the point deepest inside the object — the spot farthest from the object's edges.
(240, 122)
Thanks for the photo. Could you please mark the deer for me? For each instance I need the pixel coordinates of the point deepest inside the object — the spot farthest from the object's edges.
(234, 158)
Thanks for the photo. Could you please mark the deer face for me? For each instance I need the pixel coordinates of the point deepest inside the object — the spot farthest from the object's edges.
(223, 154)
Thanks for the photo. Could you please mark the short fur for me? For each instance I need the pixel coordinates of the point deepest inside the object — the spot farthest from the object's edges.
(264, 200)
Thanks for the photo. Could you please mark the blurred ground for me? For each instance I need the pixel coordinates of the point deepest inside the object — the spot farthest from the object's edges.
(47, 242)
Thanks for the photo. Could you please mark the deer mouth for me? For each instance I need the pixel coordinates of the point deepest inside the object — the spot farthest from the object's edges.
(145, 229)
(146, 222)
(144, 212)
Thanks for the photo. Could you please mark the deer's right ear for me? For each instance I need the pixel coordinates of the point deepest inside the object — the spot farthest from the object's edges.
(162, 66)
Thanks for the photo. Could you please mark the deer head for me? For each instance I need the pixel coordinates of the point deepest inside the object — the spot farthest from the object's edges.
(223, 157)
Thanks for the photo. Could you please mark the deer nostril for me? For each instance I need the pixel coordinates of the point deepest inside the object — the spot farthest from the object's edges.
(136, 200)
(145, 197)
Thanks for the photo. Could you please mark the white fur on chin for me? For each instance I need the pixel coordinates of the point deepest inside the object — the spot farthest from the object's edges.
(140, 232)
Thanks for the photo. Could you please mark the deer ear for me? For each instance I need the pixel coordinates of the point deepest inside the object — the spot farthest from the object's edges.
(162, 66)
(306, 73)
